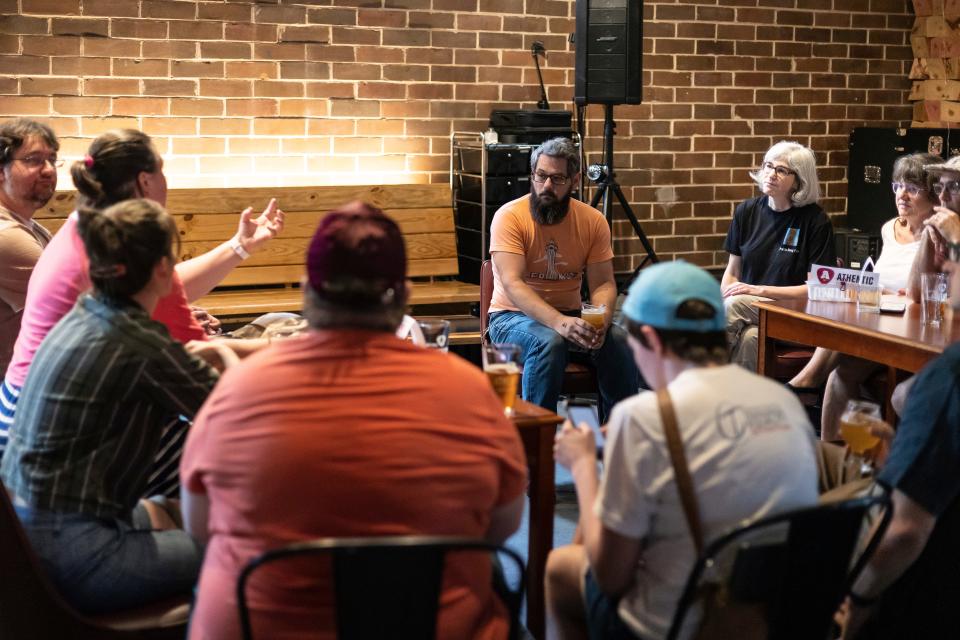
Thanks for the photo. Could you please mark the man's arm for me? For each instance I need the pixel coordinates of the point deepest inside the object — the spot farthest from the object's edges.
(899, 548)
(926, 261)
(613, 557)
(505, 520)
(509, 268)
(195, 508)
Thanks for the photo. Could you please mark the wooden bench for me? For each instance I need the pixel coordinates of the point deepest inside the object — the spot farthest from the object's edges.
(270, 279)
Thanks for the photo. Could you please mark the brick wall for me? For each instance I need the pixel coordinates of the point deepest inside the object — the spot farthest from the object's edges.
(369, 91)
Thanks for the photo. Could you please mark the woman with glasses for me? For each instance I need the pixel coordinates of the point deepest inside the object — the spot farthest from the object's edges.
(913, 194)
(772, 241)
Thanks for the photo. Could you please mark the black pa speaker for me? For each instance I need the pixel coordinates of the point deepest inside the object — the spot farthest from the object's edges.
(609, 52)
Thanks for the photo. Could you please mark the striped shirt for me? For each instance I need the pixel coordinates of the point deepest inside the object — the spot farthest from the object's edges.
(103, 384)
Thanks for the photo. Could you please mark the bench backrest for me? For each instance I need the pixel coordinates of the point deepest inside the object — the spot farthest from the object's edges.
(207, 217)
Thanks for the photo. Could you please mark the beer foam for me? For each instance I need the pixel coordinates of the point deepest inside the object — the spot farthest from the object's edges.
(502, 367)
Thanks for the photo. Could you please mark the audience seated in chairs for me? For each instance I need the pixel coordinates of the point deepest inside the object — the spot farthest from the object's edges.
(748, 445)
(99, 392)
(909, 588)
(124, 164)
(913, 195)
(347, 430)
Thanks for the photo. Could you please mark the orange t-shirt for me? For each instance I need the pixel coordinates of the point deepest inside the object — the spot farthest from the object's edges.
(347, 433)
(556, 254)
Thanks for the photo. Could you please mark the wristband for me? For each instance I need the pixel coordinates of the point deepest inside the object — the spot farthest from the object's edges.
(862, 601)
(238, 249)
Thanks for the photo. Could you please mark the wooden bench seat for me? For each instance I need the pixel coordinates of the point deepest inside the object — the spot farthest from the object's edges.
(269, 280)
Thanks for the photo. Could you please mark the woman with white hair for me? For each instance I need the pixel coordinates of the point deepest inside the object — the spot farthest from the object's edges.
(772, 241)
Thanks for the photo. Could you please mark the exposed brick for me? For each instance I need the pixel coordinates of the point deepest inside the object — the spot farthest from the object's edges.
(196, 69)
(51, 46)
(26, 64)
(430, 20)
(277, 89)
(110, 48)
(80, 66)
(176, 50)
(262, 70)
(226, 11)
(165, 9)
(281, 51)
(97, 27)
(140, 68)
(384, 54)
(81, 106)
(140, 29)
(24, 24)
(312, 34)
(141, 107)
(111, 86)
(225, 50)
(354, 109)
(355, 71)
(179, 88)
(196, 107)
(51, 7)
(225, 88)
(250, 31)
(280, 14)
(224, 126)
(252, 107)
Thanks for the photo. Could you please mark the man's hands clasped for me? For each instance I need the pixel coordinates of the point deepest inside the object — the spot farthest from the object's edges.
(580, 332)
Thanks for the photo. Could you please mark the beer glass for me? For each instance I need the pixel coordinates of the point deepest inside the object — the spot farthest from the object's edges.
(436, 333)
(594, 314)
(868, 297)
(501, 363)
(933, 295)
(855, 431)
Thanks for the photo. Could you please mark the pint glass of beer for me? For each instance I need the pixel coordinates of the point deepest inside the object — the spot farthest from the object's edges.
(594, 314)
(501, 362)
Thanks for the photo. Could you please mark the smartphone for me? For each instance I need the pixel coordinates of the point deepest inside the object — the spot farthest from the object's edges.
(586, 412)
(893, 307)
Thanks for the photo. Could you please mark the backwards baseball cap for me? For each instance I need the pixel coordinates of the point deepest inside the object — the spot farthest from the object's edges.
(953, 164)
(659, 290)
(357, 257)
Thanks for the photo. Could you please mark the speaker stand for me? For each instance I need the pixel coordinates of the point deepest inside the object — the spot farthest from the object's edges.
(607, 187)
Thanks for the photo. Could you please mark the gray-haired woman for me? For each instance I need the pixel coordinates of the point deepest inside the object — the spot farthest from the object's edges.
(772, 241)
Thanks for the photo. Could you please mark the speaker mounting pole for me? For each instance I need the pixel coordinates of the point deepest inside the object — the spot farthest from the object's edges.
(607, 188)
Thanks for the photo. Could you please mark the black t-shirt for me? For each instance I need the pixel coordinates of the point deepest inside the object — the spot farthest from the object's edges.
(924, 463)
(778, 247)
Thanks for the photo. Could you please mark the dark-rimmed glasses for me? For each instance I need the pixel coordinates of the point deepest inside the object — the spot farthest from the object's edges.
(780, 170)
(556, 178)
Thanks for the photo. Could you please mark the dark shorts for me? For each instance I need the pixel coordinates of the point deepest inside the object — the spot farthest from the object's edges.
(603, 621)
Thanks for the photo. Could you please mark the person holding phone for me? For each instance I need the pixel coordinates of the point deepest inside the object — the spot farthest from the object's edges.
(749, 447)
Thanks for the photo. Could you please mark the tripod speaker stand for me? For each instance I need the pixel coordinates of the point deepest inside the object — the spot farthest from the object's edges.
(607, 187)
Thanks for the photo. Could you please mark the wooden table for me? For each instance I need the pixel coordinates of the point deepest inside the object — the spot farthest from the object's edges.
(537, 427)
(897, 341)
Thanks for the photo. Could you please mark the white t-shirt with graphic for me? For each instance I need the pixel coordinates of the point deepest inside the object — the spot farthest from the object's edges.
(751, 453)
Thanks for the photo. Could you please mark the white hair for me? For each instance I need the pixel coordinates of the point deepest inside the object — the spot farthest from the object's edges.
(804, 164)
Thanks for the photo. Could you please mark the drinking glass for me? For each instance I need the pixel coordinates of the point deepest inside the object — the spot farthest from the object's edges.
(933, 295)
(501, 363)
(594, 314)
(855, 431)
(436, 333)
(868, 297)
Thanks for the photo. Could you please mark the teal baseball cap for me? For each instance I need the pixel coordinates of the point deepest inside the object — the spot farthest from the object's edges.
(660, 289)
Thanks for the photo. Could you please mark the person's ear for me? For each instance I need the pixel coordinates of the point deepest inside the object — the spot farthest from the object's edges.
(144, 181)
(653, 340)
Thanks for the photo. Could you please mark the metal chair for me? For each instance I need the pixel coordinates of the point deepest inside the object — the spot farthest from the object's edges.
(578, 377)
(792, 569)
(386, 587)
(31, 607)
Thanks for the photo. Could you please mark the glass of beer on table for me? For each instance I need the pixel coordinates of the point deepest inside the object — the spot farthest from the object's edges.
(855, 424)
(501, 362)
(595, 314)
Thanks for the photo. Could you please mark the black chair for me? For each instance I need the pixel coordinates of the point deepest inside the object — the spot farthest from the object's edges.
(793, 569)
(31, 607)
(387, 587)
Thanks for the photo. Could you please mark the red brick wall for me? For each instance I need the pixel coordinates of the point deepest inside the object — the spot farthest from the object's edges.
(369, 91)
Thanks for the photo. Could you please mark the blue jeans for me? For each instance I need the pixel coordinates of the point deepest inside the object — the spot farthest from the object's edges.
(603, 621)
(103, 565)
(545, 354)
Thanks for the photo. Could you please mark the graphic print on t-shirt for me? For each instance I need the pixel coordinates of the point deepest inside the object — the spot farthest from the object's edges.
(790, 240)
(734, 421)
(553, 258)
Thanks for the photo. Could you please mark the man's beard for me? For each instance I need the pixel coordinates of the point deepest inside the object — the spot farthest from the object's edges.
(546, 208)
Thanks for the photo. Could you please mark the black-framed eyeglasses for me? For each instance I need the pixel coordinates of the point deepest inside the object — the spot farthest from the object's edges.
(780, 170)
(911, 189)
(558, 179)
(953, 187)
(38, 162)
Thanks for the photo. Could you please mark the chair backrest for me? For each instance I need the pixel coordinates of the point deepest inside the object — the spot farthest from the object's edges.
(486, 294)
(796, 566)
(385, 586)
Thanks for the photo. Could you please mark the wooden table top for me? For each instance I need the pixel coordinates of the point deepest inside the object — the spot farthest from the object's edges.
(861, 331)
(528, 415)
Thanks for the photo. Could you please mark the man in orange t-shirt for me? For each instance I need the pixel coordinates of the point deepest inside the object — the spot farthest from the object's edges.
(348, 431)
(541, 245)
